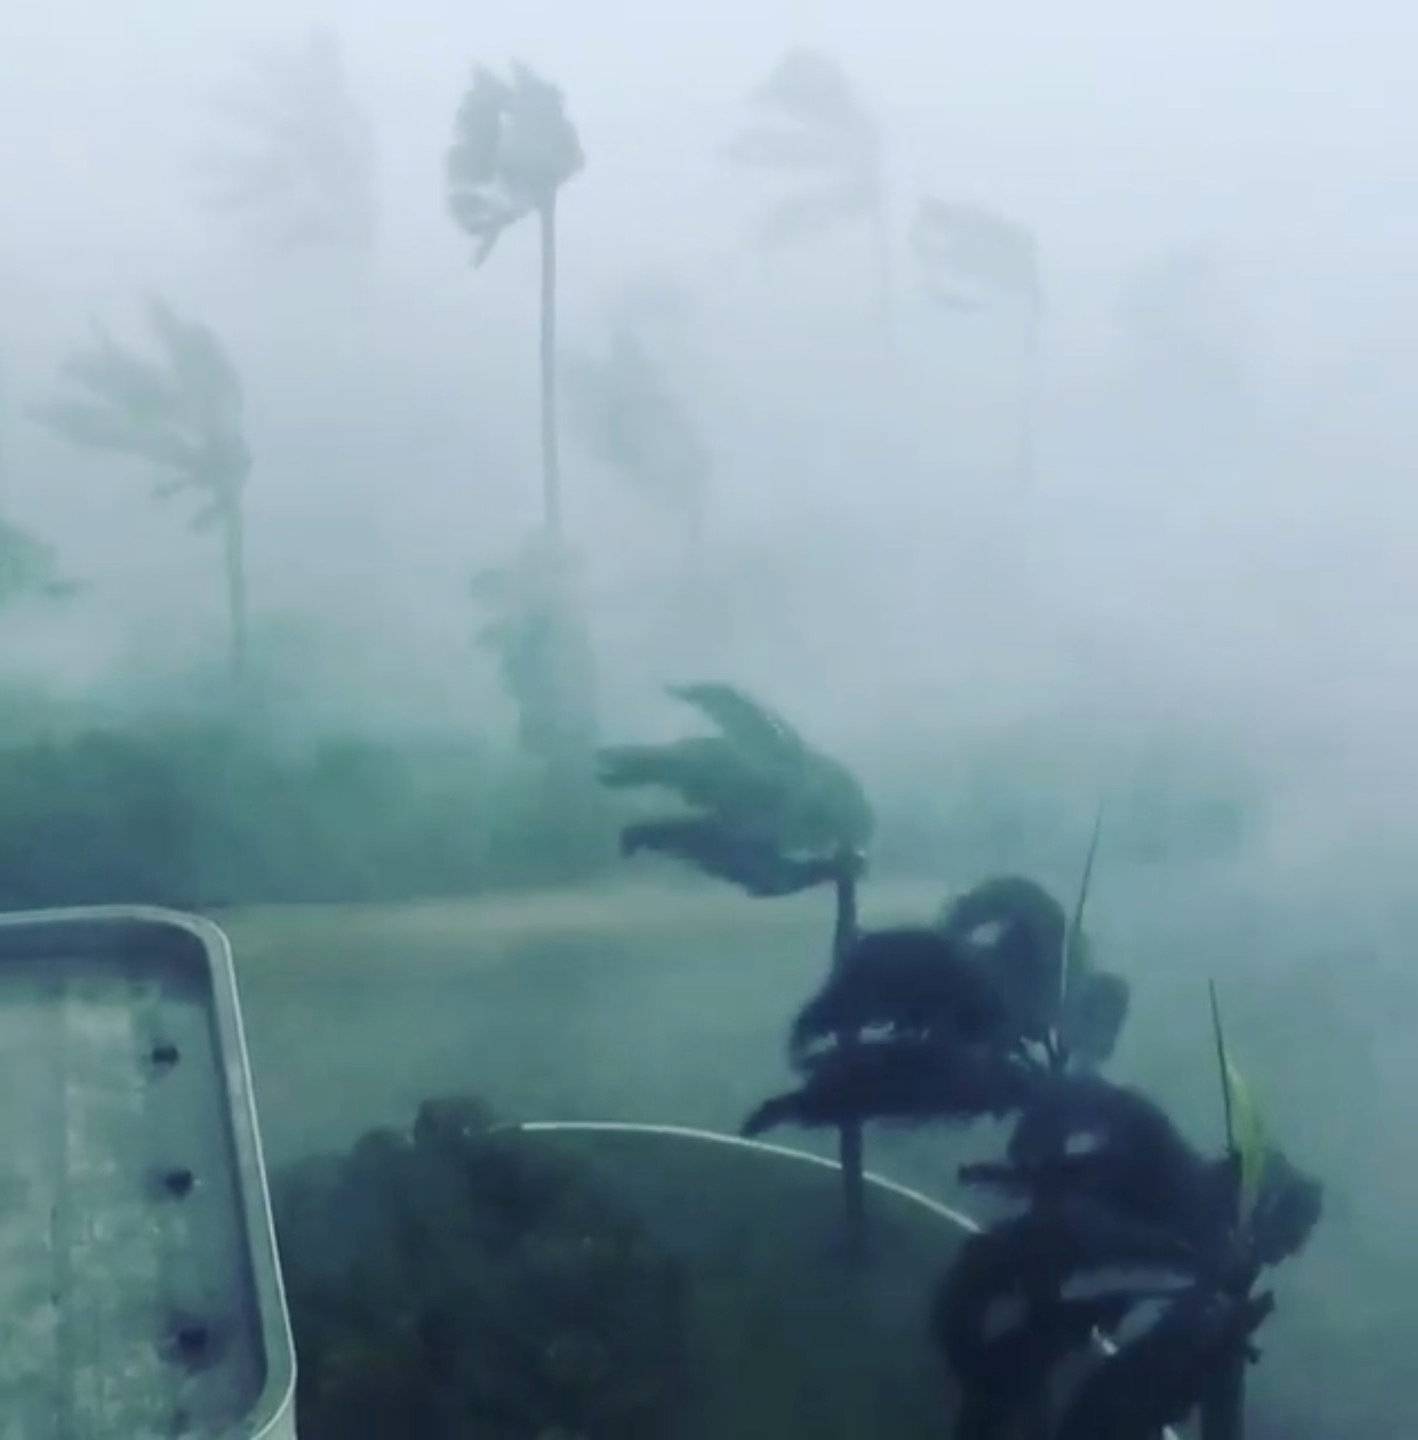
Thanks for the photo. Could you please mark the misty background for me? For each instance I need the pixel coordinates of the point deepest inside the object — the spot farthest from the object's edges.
(1202, 588)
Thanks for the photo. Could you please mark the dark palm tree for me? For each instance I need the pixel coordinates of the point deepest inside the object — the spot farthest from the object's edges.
(181, 414)
(810, 124)
(763, 810)
(299, 165)
(513, 149)
(1112, 1187)
(972, 260)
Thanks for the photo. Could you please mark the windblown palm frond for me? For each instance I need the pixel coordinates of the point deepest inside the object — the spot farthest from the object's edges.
(513, 148)
(630, 419)
(728, 854)
(904, 1080)
(814, 127)
(1071, 1270)
(1159, 1378)
(760, 792)
(1041, 961)
(968, 257)
(912, 982)
(304, 171)
(182, 413)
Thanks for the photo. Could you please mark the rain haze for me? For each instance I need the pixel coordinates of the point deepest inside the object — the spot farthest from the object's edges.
(1054, 453)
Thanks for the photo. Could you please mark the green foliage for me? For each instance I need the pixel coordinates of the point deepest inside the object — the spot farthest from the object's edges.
(190, 815)
(773, 814)
(513, 149)
(465, 1281)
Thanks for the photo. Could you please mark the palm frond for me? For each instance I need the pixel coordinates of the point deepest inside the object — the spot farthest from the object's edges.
(1068, 1271)
(1073, 959)
(1092, 1016)
(911, 980)
(299, 158)
(513, 148)
(904, 1080)
(955, 243)
(757, 866)
(705, 771)
(629, 418)
(1017, 929)
(812, 88)
(1159, 1378)
(208, 379)
(182, 416)
(747, 724)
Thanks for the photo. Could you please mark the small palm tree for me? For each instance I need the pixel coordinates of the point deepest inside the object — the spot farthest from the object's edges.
(513, 150)
(1113, 1187)
(812, 125)
(300, 164)
(182, 415)
(766, 812)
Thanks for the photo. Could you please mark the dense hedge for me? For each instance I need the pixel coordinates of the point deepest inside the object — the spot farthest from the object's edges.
(210, 815)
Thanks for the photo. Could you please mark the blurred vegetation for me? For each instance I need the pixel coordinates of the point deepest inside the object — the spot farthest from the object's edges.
(464, 1280)
(204, 814)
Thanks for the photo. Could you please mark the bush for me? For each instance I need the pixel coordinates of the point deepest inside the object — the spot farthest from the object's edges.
(467, 1282)
(196, 816)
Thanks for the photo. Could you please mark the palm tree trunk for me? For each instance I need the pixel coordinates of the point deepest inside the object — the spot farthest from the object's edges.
(1223, 1408)
(551, 461)
(234, 545)
(850, 1134)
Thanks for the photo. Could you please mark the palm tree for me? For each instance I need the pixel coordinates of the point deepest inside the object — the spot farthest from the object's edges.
(813, 126)
(303, 168)
(513, 150)
(970, 260)
(766, 812)
(182, 415)
(1112, 1186)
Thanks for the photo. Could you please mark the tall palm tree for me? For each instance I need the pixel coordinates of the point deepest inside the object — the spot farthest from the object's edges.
(969, 260)
(513, 149)
(299, 163)
(810, 124)
(180, 413)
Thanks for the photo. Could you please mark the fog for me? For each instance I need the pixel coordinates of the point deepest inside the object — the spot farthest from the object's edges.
(1199, 578)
